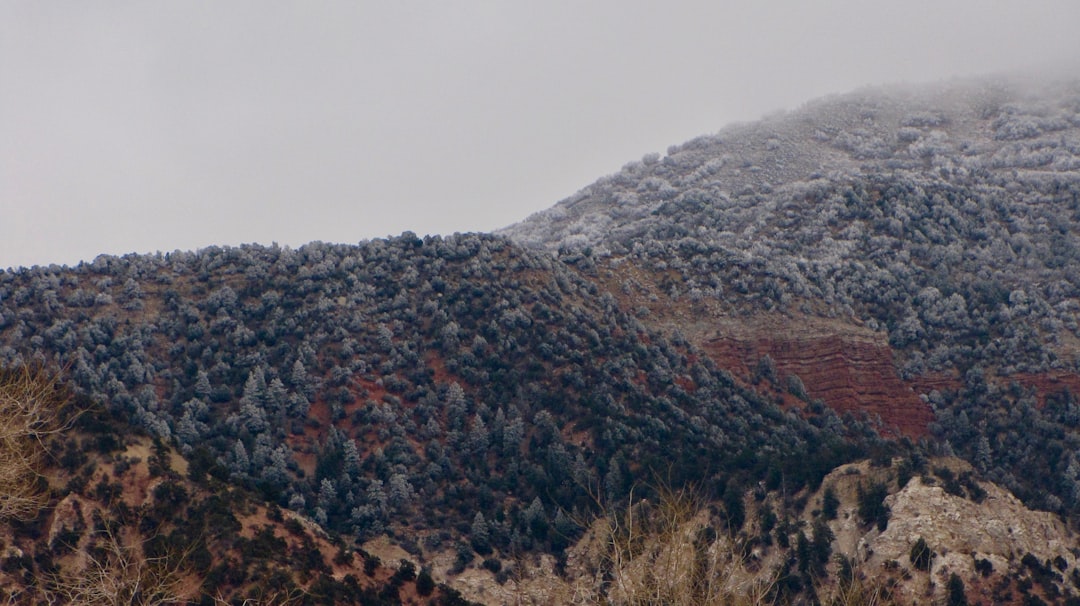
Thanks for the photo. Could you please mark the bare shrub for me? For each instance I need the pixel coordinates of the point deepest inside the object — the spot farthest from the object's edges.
(31, 401)
(859, 592)
(267, 597)
(671, 552)
(117, 570)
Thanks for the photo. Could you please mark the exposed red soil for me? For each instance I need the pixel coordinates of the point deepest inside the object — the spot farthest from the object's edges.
(940, 381)
(852, 369)
(1047, 383)
(1043, 384)
(848, 366)
(850, 373)
(438, 366)
(305, 445)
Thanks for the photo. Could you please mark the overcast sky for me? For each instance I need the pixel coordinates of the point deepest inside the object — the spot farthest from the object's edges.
(142, 126)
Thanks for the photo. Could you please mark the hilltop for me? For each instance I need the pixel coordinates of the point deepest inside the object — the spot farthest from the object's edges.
(910, 252)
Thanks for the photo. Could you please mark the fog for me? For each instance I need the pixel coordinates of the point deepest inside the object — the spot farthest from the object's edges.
(141, 127)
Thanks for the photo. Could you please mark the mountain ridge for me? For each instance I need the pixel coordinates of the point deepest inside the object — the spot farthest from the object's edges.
(839, 138)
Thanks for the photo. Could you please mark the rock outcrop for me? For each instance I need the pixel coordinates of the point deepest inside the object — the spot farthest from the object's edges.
(1002, 552)
(995, 531)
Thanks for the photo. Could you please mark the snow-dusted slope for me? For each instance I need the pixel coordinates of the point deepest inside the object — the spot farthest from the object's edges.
(957, 131)
(942, 220)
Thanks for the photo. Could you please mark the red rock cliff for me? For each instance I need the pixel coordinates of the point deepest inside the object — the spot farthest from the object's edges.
(850, 370)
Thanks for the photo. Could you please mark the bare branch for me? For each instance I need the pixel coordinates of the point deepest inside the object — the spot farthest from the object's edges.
(117, 571)
(31, 401)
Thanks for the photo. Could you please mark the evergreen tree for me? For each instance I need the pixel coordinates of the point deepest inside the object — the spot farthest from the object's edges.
(480, 535)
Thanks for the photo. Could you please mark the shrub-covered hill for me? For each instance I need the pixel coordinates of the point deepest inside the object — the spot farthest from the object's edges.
(92, 511)
(945, 216)
(938, 224)
(460, 387)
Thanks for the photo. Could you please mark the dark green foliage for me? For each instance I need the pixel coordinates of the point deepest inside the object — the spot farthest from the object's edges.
(450, 597)
(66, 540)
(453, 369)
(425, 584)
(921, 555)
(1043, 573)
(107, 491)
(820, 547)
(202, 463)
(949, 481)
(307, 557)
(955, 587)
(169, 497)
(406, 572)
(767, 518)
(872, 507)
(343, 557)
(371, 564)
(788, 583)
(216, 513)
(1030, 453)
(327, 590)
(159, 459)
(846, 574)
(734, 510)
(464, 557)
(804, 553)
(480, 535)
(783, 533)
(71, 458)
(903, 474)
(263, 546)
(829, 503)
(964, 252)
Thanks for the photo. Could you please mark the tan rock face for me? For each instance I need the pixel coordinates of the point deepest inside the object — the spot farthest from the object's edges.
(960, 531)
(1000, 525)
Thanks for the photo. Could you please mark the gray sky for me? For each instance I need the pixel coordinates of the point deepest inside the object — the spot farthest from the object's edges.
(143, 126)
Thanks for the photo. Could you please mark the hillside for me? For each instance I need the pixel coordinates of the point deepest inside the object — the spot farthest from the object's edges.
(937, 536)
(789, 341)
(97, 512)
(459, 395)
(910, 252)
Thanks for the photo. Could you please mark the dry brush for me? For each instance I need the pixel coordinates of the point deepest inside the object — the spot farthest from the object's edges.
(31, 405)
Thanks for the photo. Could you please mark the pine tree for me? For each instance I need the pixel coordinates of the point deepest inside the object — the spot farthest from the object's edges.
(480, 535)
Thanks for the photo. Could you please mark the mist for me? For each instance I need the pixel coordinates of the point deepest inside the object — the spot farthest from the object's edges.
(129, 127)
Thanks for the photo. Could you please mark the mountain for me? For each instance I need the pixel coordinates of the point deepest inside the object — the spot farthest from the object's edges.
(961, 132)
(908, 252)
(785, 341)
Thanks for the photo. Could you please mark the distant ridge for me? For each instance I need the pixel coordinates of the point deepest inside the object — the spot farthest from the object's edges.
(960, 127)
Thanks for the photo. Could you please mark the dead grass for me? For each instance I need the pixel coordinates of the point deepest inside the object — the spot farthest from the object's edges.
(859, 592)
(31, 401)
(671, 552)
(118, 571)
